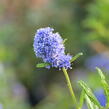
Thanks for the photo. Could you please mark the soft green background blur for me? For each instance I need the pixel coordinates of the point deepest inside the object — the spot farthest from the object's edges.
(85, 23)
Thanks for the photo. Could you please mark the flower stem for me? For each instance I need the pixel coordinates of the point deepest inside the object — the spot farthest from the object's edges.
(69, 86)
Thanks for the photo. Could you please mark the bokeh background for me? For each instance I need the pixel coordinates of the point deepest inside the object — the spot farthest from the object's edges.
(85, 23)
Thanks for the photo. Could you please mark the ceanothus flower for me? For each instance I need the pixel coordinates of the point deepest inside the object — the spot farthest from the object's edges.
(49, 46)
(62, 61)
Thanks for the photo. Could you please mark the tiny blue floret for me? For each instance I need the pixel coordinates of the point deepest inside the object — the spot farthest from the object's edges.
(49, 46)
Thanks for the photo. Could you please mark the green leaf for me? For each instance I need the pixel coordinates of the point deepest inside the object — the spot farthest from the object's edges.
(100, 73)
(104, 84)
(89, 93)
(41, 65)
(82, 96)
(64, 41)
(89, 103)
(76, 56)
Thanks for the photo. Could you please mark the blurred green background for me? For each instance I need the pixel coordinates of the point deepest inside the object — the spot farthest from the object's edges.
(85, 23)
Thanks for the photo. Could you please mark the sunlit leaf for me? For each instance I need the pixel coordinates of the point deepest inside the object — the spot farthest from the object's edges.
(76, 57)
(41, 65)
(89, 103)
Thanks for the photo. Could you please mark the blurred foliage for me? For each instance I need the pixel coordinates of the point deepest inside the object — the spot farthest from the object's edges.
(83, 22)
(97, 21)
(11, 92)
(56, 99)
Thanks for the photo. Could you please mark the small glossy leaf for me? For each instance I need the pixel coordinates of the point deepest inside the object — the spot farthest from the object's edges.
(76, 56)
(41, 65)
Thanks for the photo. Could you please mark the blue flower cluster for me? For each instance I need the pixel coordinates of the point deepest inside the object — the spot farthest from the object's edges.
(49, 46)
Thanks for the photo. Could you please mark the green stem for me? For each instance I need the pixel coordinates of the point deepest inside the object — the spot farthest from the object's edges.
(69, 86)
